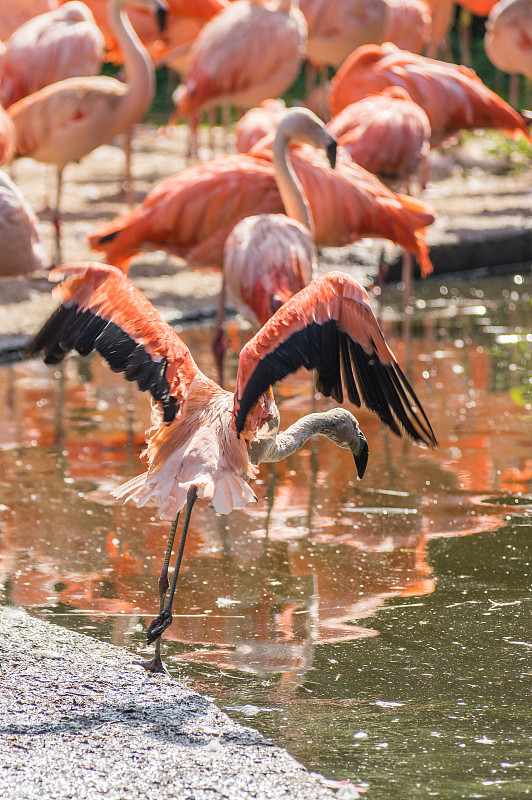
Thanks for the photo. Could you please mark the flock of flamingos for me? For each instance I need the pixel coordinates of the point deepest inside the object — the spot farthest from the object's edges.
(295, 183)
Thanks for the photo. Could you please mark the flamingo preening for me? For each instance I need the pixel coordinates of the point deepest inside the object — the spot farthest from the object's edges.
(207, 442)
(68, 119)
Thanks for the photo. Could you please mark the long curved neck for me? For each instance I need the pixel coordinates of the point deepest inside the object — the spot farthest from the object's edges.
(292, 194)
(337, 424)
(140, 73)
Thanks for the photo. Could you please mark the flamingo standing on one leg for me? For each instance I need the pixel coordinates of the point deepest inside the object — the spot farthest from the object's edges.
(270, 257)
(65, 121)
(248, 52)
(64, 43)
(453, 97)
(207, 442)
(192, 213)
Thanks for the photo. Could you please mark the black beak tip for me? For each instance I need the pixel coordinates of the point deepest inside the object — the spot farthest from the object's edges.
(331, 152)
(161, 15)
(275, 304)
(361, 460)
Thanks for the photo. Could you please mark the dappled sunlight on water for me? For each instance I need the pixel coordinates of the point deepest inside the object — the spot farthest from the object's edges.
(330, 594)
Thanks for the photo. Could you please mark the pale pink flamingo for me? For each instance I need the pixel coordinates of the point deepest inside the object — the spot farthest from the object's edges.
(508, 40)
(192, 213)
(257, 123)
(408, 24)
(453, 97)
(63, 43)
(337, 27)
(206, 442)
(22, 249)
(65, 121)
(14, 12)
(252, 50)
(269, 257)
(7, 137)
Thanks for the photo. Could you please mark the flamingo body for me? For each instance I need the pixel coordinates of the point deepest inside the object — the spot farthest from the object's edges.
(337, 27)
(64, 43)
(257, 123)
(453, 97)
(7, 137)
(22, 249)
(245, 54)
(14, 14)
(192, 213)
(387, 134)
(508, 40)
(408, 24)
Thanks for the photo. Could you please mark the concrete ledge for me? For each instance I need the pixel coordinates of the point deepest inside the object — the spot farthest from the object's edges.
(80, 719)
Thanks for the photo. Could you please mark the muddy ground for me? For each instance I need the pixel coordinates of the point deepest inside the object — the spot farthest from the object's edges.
(481, 190)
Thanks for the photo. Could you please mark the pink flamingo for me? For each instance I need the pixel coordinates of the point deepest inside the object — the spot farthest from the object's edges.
(7, 137)
(192, 213)
(508, 40)
(65, 121)
(22, 248)
(250, 51)
(14, 14)
(337, 27)
(453, 97)
(257, 123)
(64, 43)
(269, 257)
(408, 24)
(386, 133)
(206, 442)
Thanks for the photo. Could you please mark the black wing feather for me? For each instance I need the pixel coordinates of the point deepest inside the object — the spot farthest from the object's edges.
(71, 329)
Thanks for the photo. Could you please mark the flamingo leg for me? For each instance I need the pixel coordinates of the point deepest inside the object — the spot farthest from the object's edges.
(164, 620)
(155, 664)
(218, 343)
(57, 216)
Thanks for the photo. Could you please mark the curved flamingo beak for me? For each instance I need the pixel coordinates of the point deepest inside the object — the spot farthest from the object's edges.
(361, 458)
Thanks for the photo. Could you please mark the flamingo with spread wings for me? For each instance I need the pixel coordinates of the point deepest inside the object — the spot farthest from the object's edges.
(206, 442)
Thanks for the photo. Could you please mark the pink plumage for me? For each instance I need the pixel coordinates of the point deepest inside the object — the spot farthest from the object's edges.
(250, 51)
(508, 40)
(14, 13)
(337, 27)
(64, 43)
(257, 123)
(387, 134)
(408, 24)
(452, 96)
(22, 249)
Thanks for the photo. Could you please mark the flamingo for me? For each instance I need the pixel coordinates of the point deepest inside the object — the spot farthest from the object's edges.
(22, 248)
(453, 97)
(7, 137)
(269, 257)
(206, 442)
(257, 123)
(408, 24)
(14, 14)
(64, 43)
(192, 213)
(508, 40)
(248, 52)
(337, 27)
(386, 133)
(65, 121)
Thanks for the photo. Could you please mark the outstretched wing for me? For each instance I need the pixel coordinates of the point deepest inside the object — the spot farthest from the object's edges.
(329, 326)
(102, 310)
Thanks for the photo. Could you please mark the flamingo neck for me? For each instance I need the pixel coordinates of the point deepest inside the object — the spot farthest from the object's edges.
(337, 424)
(140, 74)
(292, 194)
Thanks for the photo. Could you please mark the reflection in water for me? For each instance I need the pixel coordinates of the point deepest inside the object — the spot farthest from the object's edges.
(380, 620)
